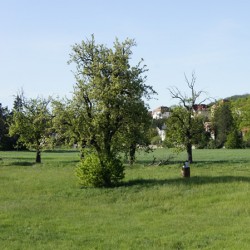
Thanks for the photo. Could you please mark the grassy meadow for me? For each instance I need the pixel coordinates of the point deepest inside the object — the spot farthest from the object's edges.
(43, 207)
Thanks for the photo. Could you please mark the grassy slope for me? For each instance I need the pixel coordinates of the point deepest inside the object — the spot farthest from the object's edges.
(42, 207)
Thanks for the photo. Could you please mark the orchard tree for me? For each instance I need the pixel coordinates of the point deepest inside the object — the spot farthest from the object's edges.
(183, 130)
(17, 107)
(184, 127)
(108, 105)
(135, 132)
(32, 124)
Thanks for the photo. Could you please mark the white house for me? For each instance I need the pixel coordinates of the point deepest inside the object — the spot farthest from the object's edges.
(162, 132)
(161, 112)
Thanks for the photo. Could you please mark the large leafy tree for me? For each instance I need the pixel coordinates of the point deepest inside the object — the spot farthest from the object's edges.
(184, 127)
(32, 124)
(107, 105)
(135, 132)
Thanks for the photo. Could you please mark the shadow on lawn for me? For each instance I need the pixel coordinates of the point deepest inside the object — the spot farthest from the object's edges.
(196, 180)
(147, 163)
(219, 162)
(22, 163)
(65, 151)
(29, 163)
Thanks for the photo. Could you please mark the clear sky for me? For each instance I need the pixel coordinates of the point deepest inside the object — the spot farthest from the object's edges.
(210, 37)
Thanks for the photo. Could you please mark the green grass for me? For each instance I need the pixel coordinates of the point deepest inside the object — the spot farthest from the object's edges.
(42, 206)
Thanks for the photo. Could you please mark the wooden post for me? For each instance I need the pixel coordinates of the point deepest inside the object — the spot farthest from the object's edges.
(185, 172)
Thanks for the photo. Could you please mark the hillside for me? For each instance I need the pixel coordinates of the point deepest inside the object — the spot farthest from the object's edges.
(236, 97)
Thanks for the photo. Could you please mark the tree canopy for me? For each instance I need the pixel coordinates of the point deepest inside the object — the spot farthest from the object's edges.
(108, 106)
(32, 124)
(184, 128)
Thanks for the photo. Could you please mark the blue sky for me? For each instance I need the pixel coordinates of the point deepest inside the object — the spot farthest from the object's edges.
(210, 37)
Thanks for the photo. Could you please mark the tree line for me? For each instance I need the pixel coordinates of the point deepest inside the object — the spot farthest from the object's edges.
(107, 115)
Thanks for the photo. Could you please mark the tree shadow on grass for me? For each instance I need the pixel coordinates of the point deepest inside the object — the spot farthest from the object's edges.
(70, 161)
(196, 180)
(219, 162)
(65, 151)
(147, 163)
(22, 163)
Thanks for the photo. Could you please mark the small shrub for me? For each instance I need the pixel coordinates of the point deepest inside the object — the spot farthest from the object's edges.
(98, 171)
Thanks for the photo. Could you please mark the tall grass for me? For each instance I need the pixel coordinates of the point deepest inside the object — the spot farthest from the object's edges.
(42, 206)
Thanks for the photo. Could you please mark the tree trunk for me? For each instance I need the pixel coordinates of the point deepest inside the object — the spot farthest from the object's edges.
(83, 146)
(189, 153)
(38, 156)
(132, 150)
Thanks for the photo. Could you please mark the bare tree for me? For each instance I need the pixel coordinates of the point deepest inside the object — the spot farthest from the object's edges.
(188, 101)
(183, 127)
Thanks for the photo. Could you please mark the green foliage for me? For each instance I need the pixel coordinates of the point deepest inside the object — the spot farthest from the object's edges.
(19, 101)
(159, 123)
(211, 144)
(204, 140)
(107, 98)
(184, 127)
(236, 98)
(134, 133)
(223, 122)
(67, 122)
(32, 124)
(97, 171)
(153, 132)
(234, 140)
(6, 142)
(241, 113)
(107, 113)
(176, 127)
(156, 140)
